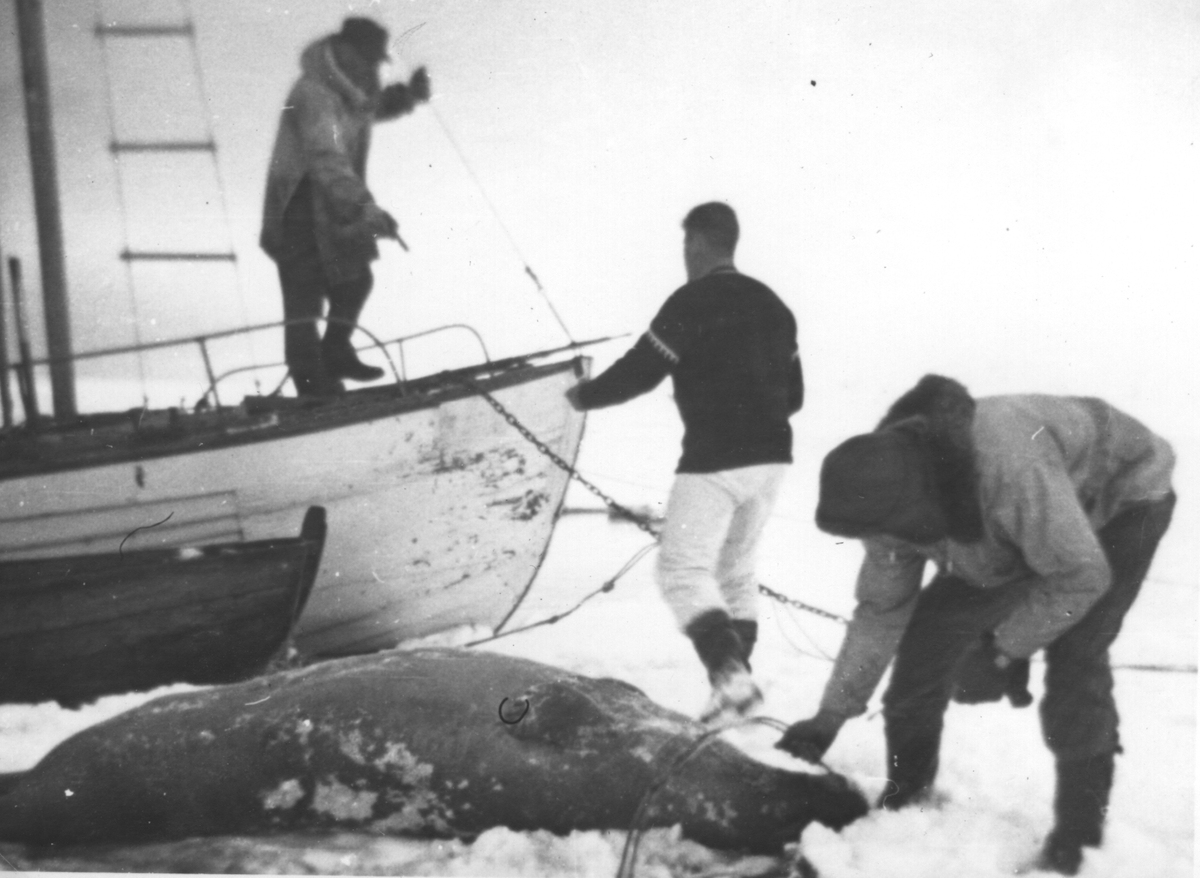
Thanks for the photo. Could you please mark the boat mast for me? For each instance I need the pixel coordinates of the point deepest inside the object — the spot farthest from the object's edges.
(32, 37)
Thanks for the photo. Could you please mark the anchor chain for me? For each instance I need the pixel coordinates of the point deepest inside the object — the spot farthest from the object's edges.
(541, 446)
(800, 605)
(622, 511)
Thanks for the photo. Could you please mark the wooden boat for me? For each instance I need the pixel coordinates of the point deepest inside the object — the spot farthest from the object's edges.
(76, 627)
(439, 510)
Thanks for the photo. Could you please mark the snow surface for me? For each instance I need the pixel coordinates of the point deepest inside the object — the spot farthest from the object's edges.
(996, 780)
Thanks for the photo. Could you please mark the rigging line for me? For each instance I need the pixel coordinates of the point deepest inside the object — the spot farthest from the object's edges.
(122, 206)
(608, 585)
(462, 157)
(500, 220)
(206, 116)
(819, 654)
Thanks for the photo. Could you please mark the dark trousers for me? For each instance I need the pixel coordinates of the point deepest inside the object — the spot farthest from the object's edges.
(306, 288)
(1078, 712)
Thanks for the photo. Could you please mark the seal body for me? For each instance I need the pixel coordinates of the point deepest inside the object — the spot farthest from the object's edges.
(427, 743)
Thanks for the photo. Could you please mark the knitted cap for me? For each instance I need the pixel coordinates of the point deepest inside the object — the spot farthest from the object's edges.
(879, 483)
(367, 37)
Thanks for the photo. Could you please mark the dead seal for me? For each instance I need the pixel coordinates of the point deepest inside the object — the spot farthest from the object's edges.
(428, 743)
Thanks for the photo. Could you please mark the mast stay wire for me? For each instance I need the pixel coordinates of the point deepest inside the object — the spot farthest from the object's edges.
(470, 169)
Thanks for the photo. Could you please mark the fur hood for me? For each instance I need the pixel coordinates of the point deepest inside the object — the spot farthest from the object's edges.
(939, 413)
(317, 63)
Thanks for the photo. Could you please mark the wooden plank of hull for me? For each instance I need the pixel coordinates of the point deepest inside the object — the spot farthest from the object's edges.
(76, 628)
(439, 514)
(105, 527)
(451, 525)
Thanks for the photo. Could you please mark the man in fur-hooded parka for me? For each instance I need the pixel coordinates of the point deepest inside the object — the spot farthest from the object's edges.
(320, 221)
(1042, 514)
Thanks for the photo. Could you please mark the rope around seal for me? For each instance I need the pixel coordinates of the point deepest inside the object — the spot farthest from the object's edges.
(675, 762)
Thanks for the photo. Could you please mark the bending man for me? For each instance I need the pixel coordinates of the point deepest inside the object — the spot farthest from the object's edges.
(1042, 514)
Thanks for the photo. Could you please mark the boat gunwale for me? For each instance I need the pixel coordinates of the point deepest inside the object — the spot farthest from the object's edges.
(138, 560)
(264, 419)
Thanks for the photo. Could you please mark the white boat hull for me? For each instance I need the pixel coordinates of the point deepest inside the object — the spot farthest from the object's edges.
(438, 515)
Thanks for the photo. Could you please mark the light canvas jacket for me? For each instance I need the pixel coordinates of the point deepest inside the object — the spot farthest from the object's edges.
(1045, 473)
(325, 134)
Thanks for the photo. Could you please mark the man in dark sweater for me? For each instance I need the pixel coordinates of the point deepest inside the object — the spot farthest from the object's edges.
(729, 344)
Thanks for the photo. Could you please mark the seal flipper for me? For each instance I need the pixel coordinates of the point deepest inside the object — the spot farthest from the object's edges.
(556, 713)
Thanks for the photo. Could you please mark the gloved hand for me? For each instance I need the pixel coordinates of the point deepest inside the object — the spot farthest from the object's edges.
(381, 223)
(573, 396)
(418, 85)
(808, 739)
(986, 674)
(395, 99)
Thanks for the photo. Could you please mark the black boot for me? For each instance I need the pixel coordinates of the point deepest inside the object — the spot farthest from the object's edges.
(721, 650)
(343, 362)
(340, 359)
(716, 641)
(1080, 803)
(302, 350)
(747, 632)
(912, 765)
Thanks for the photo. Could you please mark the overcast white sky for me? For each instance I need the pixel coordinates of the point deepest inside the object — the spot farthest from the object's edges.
(1000, 191)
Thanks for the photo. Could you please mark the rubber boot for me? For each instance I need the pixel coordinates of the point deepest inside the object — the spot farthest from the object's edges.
(912, 763)
(734, 692)
(346, 301)
(747, 632)
(1080, 803)
(302, 350)
(340, 359)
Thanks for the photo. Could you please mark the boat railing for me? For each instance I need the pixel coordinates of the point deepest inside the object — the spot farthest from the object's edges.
(401, 376)
(399, 342)
(203, 344)
(210, 399)
(214, 380)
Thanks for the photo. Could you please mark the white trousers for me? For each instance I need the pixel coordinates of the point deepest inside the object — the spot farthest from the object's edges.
(709, 542)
